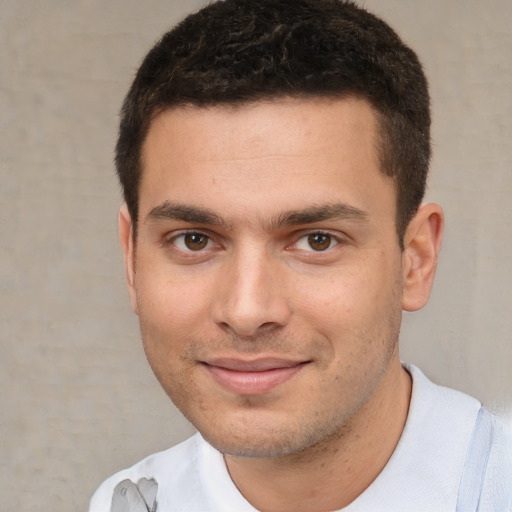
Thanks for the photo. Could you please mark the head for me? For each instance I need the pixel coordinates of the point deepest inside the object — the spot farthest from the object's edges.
(236, 52)
(270, 152)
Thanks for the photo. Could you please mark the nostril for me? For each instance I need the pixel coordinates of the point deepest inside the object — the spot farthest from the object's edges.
(267, 326)
(249, 332)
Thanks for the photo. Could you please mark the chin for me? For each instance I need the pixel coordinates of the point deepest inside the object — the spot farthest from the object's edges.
(260, 441)
(254, 447)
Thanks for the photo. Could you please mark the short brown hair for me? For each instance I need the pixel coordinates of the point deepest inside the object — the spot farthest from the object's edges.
(239, 51)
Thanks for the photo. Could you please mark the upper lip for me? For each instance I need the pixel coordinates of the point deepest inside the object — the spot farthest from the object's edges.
(256, 365)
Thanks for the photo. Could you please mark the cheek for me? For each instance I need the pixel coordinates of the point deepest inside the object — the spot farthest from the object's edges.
(174, 305)
(169, 313)
(341, 298)
(353, 307)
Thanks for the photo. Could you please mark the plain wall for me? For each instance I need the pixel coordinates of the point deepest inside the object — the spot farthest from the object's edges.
(78, 399)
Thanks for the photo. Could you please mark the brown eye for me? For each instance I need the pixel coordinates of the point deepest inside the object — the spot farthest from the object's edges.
(319, 241)
(195, 241)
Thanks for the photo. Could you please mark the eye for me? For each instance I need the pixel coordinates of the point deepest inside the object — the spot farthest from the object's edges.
(192, 241)
(317, 242)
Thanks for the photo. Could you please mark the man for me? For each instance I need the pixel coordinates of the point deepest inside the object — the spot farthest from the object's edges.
(273, 156)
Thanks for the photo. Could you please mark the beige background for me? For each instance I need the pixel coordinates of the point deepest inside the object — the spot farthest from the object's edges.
(77, 398)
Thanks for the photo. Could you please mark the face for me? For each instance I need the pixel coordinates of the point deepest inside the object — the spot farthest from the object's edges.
(266, 273)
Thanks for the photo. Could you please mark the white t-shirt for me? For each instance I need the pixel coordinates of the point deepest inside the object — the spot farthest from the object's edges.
(452, 456)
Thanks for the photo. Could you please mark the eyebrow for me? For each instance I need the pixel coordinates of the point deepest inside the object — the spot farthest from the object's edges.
(336, 211)
(311, 215)
(193, 214)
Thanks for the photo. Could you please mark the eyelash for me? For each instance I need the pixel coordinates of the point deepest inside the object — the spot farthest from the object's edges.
(171, 241)
(333, 241)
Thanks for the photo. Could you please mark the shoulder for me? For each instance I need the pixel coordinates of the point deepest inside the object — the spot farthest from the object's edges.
(175, 466)
(473, 443)
(442, 414)
(190, 476)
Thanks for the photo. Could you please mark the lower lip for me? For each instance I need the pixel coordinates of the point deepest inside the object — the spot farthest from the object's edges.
(252, 383)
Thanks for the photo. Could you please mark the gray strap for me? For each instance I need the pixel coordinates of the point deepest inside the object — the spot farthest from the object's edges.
(475, 465)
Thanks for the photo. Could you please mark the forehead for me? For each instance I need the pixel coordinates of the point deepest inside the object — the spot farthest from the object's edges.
(287, 152)
(320, 119)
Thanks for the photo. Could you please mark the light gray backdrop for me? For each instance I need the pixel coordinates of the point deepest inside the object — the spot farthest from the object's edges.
(77, 398)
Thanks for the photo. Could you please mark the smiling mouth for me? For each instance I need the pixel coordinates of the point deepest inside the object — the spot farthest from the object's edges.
(252, 377)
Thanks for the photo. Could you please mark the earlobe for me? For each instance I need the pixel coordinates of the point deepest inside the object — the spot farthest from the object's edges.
(422, 244)
(128, 246)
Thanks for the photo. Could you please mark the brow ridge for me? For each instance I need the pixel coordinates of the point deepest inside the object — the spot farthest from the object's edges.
(314, 214)
(206, 216)
(186, 213)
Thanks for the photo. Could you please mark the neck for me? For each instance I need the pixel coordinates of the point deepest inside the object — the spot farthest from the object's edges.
(331, 474)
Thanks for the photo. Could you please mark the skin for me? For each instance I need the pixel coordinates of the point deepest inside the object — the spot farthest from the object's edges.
(267, 233)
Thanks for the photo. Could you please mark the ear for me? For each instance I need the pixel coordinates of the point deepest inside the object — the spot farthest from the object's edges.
(422, 243)
(128, 246)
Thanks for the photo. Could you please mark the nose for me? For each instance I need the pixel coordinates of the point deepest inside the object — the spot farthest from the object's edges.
(252, 297)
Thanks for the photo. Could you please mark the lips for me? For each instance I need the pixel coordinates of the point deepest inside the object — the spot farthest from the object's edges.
(252, 377)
